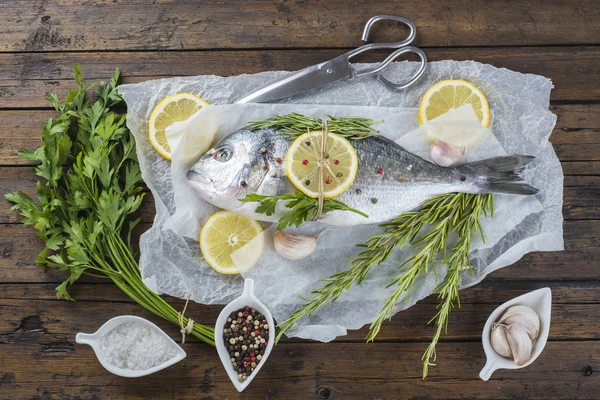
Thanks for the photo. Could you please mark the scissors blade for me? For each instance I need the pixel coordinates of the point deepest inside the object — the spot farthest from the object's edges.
(301, 81)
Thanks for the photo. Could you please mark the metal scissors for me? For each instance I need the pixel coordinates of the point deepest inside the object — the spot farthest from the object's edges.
(340, 68)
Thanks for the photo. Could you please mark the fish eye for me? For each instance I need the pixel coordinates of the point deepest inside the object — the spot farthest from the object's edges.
(223, 155)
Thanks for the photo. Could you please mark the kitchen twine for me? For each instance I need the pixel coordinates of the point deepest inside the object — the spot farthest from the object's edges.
(185, 329)
(324, 134)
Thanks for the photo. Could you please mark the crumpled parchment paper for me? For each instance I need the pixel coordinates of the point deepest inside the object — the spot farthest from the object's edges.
(170, 258)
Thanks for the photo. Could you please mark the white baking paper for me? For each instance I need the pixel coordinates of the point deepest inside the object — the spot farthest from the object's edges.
(169, 250)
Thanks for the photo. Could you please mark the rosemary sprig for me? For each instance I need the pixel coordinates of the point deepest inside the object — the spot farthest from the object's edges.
(302, 208)
(294, 125)
(447, 212)
(458, 261)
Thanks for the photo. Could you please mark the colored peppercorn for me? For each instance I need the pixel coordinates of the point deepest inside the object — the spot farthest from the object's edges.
(245, 351)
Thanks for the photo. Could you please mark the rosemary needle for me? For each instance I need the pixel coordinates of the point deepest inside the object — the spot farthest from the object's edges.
(453, 212)
(294, 125)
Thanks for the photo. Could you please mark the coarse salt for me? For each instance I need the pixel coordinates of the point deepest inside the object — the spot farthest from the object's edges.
(136, 346)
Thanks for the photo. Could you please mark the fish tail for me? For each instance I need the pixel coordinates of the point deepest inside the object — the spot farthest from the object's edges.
(500, 175)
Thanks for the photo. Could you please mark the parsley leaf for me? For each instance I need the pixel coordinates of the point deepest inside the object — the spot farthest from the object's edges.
(90, 185)
(302, 208)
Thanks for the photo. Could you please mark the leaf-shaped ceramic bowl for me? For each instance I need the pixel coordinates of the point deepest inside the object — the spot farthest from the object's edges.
(246, 299)
(94, 341)
(541, 302)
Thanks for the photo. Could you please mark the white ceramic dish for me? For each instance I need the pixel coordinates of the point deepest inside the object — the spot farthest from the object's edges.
(541, 302)
(94, 341)
(246, 299)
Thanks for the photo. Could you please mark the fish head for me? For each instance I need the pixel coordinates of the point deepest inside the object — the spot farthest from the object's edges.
(240, 164)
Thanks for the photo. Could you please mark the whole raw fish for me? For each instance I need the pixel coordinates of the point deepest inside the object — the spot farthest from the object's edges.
(390, 180)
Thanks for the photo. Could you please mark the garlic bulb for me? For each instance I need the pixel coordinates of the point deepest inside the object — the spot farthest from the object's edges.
(514, 333)
(446, 154)
(499, 340)
(520, 343)
(524, 316)
(294, 247)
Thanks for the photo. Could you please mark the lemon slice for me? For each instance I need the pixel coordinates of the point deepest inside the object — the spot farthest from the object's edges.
(226, 232)
(171, 109)
(303, 162)
(447, 95)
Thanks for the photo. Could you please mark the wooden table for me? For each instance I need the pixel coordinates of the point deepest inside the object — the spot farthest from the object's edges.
(40, 41)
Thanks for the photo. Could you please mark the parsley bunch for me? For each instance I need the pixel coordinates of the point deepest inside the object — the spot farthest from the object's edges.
(91, 184)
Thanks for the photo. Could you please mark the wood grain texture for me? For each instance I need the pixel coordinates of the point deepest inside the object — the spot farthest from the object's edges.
(178, 25)
(19, 246)
(26, 78)
(580, 195)
(40, 41)
(305, 370)
(576, 136)
(99, 302)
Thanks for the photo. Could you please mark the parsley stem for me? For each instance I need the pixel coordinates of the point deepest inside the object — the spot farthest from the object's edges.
(91, 184)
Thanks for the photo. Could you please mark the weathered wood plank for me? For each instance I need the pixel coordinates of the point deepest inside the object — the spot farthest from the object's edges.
(487, 292)
(580, 196)
(584, 168)
(26, 78)
(175, 25)
(576, 136)
(19, 245)
(31, 313)
(306, 370)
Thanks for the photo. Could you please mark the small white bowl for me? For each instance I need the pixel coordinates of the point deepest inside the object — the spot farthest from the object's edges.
(94, 341)
(541, 302)
(246, 299)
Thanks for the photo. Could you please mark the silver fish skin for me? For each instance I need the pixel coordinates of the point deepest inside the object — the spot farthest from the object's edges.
(390, 180)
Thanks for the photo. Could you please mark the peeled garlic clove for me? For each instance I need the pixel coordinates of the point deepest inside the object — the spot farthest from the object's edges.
(520, 343)
(499, 341)
(524, 316)
(445, 154)
(294, 247)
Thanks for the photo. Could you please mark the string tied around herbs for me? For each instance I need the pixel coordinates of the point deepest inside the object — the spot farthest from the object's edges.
(320, 198)
(186, 329)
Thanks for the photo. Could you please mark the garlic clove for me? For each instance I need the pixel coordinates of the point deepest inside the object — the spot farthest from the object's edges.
(520, 343)
(446, 154)
(499, 341)
(524, 316)
(294, 247)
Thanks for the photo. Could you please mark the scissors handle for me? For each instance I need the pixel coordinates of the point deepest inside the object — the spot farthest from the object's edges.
(405, 21)
(401, 47)
(402, 85)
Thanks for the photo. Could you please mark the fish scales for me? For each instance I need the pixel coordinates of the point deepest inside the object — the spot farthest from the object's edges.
(389, 181)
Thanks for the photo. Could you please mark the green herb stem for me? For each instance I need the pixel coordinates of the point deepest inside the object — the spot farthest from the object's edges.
(294, 125)
(454, 212)
(302, 208)
(91, 184)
